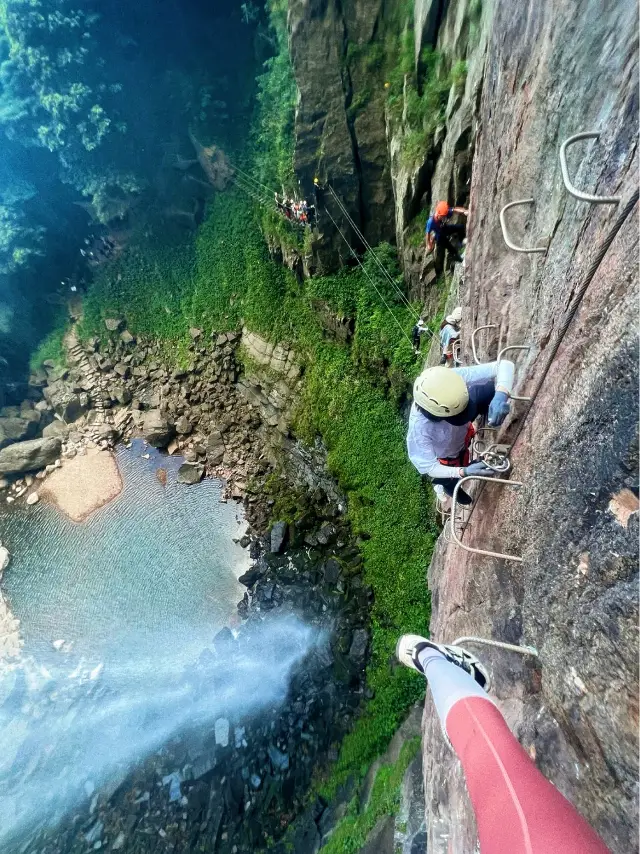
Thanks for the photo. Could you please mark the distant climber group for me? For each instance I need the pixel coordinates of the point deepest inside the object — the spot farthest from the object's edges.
(296, 211)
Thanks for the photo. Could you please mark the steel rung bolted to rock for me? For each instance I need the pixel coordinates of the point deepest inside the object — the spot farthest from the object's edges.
(505, 233)
(509, 647)
(473, 339)
(578, 194)
(501, 356)
(516, 484)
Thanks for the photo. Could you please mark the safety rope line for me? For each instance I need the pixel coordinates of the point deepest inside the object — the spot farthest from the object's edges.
(369, 249)
(400, 327)
(249, 177)
(593, 269)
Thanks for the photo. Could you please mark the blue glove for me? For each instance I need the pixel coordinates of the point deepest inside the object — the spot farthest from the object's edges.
(479, 468)
(498, 408)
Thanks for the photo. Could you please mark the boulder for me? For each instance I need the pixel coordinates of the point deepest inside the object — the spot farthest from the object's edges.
(16, 430)
(113, 324)
(121, 394)
(122, 370)
(126, 337)
(30, 455)
(190, 473)
(65, 402)
(278, 537)
(195, 333)
(57, 429)
(358, 649)
(33, 498)
(157, 430)
(331, 571)
(183, 426)
(5, 558)
(221, 728)
(215, 455)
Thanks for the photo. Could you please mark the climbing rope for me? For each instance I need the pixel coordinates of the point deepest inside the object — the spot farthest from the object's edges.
(368, 248)
(593, 269)
(364, 270)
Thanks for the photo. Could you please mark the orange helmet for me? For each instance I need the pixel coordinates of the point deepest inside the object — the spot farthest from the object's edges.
(442, 210)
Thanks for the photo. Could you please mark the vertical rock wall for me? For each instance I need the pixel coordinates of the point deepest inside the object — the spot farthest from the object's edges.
(340, 129)
(554, 69)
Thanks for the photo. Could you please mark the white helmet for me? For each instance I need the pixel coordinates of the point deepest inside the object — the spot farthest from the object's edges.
(455, 316)
(441, 392)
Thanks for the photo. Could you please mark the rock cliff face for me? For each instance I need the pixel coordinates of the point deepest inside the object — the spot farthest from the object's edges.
(552, 70)
(340, 128)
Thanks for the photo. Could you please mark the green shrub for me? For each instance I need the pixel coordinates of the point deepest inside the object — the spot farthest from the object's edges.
(51, 347)
(351, 833)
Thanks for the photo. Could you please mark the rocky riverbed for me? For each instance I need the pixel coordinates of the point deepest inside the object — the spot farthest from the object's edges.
(236, 786)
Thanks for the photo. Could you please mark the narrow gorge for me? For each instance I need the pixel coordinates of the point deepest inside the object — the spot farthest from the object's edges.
(213, 261)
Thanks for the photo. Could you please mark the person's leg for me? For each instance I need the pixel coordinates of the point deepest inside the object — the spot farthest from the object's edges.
(518, 811)
(448, 231)
(448, 484)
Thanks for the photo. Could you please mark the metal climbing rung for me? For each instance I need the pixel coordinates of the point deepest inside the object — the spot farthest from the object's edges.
(473, 339)
(505, 233)
(501, 356)
(578, 194)
(516, 484)
(510, 647)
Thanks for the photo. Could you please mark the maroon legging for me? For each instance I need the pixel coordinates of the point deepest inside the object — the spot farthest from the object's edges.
(518, 811)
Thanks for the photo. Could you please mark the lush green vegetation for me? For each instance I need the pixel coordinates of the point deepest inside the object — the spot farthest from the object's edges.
(352, 832)
(351, 393)
(350, 398)
(51, 347)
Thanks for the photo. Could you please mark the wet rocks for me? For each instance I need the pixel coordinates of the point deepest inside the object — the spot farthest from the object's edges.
(190, 473)
(31, 455)
(359, 646)
(14, 429)
(222, 732)
(332, 571)
(278, 537)
(157, 429)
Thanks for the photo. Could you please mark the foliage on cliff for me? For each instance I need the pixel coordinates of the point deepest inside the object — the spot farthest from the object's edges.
(351, 395)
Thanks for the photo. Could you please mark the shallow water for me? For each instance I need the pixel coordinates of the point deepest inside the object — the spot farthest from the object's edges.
(137, 592)
(158, 563)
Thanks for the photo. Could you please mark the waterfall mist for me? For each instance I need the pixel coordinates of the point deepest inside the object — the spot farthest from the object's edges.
(68, 729)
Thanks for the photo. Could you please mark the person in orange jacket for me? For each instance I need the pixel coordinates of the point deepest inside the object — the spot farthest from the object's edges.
(439, 230)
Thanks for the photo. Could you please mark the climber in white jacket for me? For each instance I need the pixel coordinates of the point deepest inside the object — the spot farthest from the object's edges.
(445, 404)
